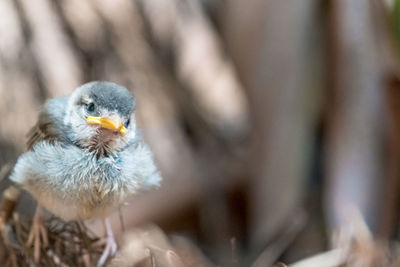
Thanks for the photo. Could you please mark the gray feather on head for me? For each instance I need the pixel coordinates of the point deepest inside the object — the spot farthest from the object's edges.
(108, 100)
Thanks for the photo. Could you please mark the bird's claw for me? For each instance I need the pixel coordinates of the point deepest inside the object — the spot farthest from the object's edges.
(111, 245)
(37, 235)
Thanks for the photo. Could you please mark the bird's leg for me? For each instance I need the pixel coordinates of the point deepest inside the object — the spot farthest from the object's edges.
(37, 234)
(111, 245)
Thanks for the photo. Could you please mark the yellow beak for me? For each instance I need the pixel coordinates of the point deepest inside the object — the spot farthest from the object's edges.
(107, 123)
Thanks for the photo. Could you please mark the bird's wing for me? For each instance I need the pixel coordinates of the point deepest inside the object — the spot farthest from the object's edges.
(50, 123)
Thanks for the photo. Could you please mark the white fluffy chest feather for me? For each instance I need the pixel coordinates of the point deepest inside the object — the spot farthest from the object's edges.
(76, 184)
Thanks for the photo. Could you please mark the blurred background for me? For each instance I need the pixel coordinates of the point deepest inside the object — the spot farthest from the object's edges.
(275, 123)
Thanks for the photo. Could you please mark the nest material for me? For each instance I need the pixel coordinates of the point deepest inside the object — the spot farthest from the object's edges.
(69, 244)
(74, 244)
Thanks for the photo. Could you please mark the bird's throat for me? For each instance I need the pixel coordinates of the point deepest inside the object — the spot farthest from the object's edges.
(103, 143)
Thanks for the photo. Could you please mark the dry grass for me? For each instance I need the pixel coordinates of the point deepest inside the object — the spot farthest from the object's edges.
(69, 244)
(73, 244)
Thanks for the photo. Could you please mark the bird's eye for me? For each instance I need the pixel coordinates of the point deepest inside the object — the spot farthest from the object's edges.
(127, 122)
(90, 107)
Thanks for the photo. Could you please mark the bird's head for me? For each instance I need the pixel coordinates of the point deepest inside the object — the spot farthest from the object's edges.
(100, 116)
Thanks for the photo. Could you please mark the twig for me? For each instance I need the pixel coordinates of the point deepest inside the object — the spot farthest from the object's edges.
(332, 258)
(273, 251)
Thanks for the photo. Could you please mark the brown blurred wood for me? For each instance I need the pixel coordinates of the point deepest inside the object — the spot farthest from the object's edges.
(354, 160)
(190, 51)
(18, 98)
(186, 40)
(57, 61)
(267, 40)
(389, 214)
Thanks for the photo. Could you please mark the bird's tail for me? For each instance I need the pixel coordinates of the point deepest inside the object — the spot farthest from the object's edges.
(10, 196)
(9, 201)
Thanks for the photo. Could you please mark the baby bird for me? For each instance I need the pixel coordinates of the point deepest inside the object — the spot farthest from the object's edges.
(86, 156)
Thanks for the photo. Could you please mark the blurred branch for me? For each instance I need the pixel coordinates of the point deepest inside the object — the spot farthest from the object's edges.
(389, 54)
(266, 40)
(185, 39)
(188, 49)
(354, 159)
(331, 258)
(271, 254)
(149, 246)
(58, 62)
